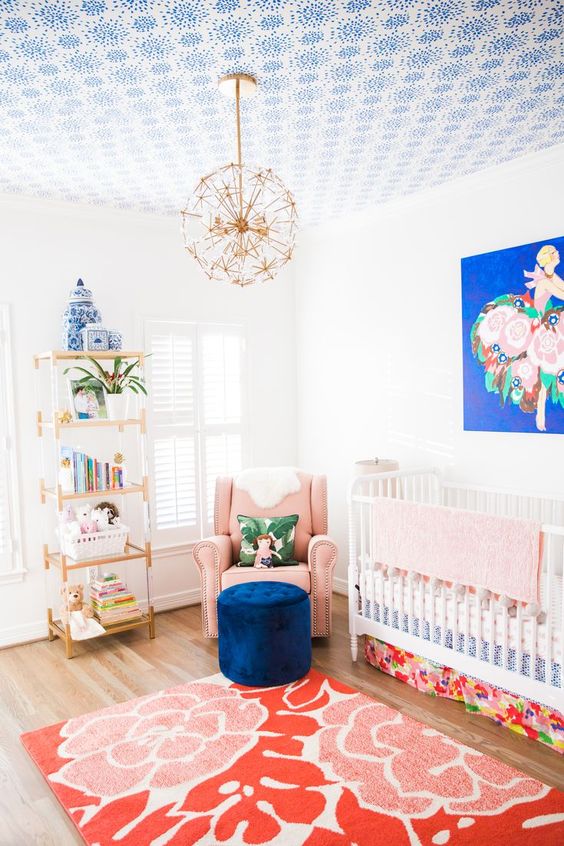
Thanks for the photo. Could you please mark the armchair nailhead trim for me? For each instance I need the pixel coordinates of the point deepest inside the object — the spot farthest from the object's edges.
(216, 510)
(203, 574)
(325, 509)
(326, 630)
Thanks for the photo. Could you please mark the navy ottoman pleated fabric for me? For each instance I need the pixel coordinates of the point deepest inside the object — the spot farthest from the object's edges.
(264, 633)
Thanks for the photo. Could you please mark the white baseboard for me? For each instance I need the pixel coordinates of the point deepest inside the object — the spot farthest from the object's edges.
(15, 635)
(340, 586)
(23, 633)
(168, 601)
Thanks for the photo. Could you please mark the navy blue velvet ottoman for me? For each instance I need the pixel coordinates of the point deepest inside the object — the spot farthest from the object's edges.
(264, 631)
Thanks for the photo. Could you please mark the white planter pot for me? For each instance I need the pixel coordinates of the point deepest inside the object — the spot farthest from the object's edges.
(117, 405)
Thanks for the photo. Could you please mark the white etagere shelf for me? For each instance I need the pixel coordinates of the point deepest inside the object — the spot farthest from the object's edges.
(50, 428)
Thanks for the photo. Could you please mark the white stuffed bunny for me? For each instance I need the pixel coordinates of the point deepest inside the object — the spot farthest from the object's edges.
(69, 523)
(83, 516)
(83, 513)
(100, 516)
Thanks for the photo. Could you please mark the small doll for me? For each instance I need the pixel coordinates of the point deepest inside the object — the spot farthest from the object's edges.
(263, 558)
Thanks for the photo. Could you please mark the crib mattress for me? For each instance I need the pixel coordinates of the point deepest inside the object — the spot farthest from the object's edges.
(420, 620)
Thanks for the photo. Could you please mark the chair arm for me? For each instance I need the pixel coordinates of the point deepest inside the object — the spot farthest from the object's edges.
(322, 553)
(212, 557)
(322, 557)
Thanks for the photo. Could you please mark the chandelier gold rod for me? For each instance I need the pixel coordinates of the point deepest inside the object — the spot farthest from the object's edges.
(239, 161)
(238, 115)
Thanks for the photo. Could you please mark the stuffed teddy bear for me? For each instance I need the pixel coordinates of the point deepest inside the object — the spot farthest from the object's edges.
(73, 600)
(263, 558)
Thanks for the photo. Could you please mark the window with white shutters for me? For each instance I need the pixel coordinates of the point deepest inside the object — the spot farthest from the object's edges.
(196, 403)
(11, 566)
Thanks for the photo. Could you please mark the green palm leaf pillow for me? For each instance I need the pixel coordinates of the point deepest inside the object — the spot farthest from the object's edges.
(281, 529)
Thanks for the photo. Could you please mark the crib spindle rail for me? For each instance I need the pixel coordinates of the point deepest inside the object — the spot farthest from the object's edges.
(488, 637)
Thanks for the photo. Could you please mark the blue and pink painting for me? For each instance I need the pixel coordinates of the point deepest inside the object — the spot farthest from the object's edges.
(513, 339)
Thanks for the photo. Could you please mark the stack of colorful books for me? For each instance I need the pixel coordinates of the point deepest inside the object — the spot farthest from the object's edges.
(89, 474)
(112, 601)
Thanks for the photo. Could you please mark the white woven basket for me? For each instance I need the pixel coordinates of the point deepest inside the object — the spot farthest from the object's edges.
(96, 544)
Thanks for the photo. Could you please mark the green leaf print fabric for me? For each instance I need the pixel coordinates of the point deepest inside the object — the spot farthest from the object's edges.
(282, 530)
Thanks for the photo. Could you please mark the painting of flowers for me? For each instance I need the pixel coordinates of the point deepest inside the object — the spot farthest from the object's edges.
(513, 339)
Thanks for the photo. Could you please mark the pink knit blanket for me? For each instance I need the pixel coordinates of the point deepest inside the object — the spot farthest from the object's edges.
(502, 554)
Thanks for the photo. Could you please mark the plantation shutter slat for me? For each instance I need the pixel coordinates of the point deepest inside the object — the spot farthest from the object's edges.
(221, 352)
(196, 402)
(223, 457)
(175, 488)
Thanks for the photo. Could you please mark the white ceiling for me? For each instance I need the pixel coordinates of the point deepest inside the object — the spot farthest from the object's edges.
(114, 102)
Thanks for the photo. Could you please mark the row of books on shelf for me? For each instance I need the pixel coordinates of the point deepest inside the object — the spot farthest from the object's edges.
(82, 473)
(112, 601)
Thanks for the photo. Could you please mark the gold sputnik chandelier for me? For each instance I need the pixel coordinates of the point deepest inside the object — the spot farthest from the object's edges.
(240, 223)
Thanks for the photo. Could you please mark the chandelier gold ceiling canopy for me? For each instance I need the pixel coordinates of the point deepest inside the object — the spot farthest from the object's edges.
(240, 222)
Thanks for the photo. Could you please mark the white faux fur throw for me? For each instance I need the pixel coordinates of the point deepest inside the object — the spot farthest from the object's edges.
(267, 486)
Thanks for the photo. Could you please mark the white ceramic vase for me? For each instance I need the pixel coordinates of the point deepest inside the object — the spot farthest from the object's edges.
(117, 405)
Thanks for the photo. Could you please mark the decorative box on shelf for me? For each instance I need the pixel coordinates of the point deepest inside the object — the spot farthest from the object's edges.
(95, 338)
(110, 541)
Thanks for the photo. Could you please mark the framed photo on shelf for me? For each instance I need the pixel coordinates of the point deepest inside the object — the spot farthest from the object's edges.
(88, 403)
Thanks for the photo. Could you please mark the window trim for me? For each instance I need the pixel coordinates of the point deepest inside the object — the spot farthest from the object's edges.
(169, 538)
(17, 570)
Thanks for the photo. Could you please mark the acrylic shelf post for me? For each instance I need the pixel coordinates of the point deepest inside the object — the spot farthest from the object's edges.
(51, 430)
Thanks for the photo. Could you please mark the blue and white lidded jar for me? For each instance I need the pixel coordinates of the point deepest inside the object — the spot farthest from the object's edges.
(79, 311)
(95, 337)
(115, 340)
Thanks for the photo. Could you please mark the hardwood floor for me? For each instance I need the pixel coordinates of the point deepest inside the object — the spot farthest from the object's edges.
(38, 686)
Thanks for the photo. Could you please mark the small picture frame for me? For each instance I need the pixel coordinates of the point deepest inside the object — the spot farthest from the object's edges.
(87, 403)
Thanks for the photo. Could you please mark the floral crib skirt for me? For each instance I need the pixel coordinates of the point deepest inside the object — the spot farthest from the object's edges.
(507, 709)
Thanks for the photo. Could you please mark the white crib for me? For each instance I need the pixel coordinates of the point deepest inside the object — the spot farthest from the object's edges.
(476, 635)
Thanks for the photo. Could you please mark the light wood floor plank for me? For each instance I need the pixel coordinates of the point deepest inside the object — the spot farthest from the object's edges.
(38, 686)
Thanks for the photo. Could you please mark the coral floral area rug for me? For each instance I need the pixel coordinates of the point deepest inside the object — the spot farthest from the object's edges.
(314, 763)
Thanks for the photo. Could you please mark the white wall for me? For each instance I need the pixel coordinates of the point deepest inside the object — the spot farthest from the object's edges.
(379, 336)
(137, 268)
(372, 328)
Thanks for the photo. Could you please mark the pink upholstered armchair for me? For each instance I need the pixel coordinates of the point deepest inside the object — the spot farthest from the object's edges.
(216, 557)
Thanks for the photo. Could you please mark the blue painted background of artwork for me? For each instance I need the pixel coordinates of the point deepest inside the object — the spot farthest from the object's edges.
(485, 277)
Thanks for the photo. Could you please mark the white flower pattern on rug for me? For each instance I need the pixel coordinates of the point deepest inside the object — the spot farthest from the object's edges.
(312, 764)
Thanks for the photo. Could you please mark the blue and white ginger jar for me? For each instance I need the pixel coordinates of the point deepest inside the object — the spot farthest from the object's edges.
(79, 311)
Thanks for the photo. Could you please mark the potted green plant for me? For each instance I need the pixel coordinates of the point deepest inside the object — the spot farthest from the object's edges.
(117, 384)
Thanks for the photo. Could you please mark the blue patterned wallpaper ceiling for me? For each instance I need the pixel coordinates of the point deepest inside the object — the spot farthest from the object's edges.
(115, 101)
